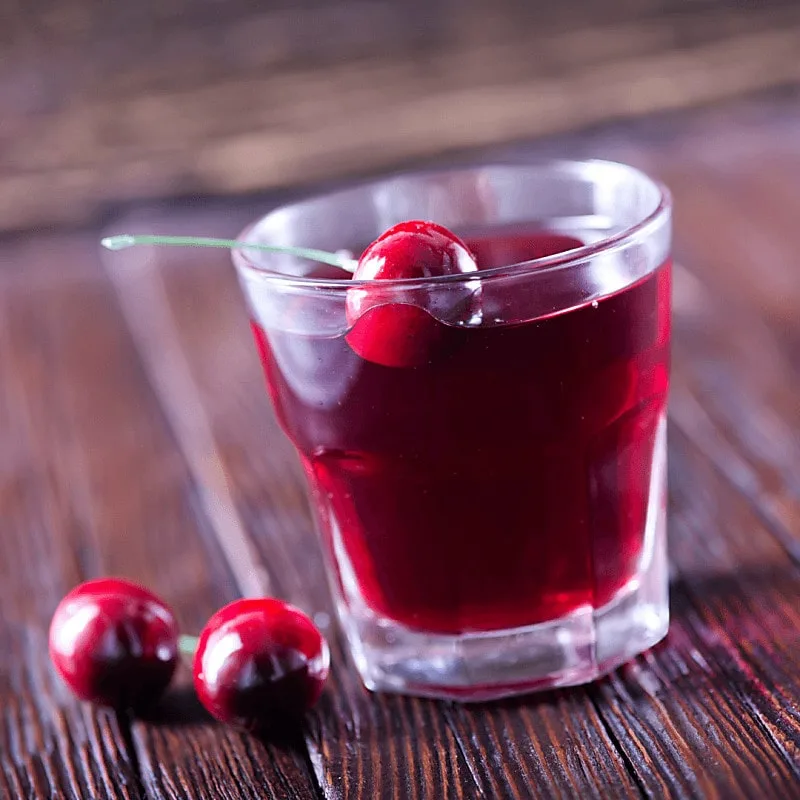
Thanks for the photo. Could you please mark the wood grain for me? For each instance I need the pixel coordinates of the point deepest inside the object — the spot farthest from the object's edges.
(106, 105)
(138, 438)
(113, 495)
(50, 745)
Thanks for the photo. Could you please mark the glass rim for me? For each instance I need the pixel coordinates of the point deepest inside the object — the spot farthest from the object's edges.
(545, 264)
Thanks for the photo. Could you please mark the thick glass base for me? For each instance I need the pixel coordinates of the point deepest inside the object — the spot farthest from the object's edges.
(474, 667)
(574, 649)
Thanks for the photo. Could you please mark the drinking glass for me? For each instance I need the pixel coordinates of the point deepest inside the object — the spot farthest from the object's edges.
(491, 504)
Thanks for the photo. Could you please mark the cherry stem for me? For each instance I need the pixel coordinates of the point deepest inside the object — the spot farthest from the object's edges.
(187, 645)
(125, 240)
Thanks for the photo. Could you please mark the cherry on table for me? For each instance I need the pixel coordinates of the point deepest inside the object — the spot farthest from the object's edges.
(397, 334)
(260, 662)
(114, 643)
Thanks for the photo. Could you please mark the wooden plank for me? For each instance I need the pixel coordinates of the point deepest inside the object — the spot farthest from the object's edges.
(695, 716)
(89, 120)
(129, 507)
(50, 744)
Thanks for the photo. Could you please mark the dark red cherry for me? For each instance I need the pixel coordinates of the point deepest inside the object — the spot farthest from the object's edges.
(260, 662)
(114, 643)
(414, 249)
(385, 329)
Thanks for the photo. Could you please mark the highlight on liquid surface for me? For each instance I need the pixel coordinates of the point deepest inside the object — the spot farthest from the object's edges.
(501, 484)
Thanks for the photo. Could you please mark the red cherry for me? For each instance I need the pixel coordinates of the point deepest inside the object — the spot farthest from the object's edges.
(398, 335)
(114, 643)
(386, 330)
(260, 662)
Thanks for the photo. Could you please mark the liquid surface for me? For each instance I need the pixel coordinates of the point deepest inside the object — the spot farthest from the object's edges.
(502, 484)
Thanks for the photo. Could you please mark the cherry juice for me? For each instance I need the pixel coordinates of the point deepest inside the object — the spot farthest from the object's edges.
(503, 483)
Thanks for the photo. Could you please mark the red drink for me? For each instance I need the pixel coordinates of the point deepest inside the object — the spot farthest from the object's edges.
(505, 482)
(485, 445)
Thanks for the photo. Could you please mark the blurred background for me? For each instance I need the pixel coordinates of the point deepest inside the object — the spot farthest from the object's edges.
(107, 103)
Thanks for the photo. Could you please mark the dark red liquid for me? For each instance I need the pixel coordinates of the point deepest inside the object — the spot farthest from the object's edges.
(504, 483)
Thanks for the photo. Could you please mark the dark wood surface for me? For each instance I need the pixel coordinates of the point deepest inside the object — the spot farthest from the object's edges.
(138, 440)
(105, 102)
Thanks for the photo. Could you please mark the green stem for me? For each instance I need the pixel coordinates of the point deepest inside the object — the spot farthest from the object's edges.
(187, 645)
(122, 241)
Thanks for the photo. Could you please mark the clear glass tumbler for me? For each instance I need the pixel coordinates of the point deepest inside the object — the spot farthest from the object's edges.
(492, 508)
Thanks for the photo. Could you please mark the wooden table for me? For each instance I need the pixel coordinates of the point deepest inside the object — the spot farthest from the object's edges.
(138, 440)
(103, 101)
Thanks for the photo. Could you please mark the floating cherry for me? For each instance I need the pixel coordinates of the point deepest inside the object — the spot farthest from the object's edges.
(385, 328)
(390, 332)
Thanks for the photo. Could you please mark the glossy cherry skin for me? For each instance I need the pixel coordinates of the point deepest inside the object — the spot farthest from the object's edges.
(398, 334)
(114, 643)
(260, 662)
